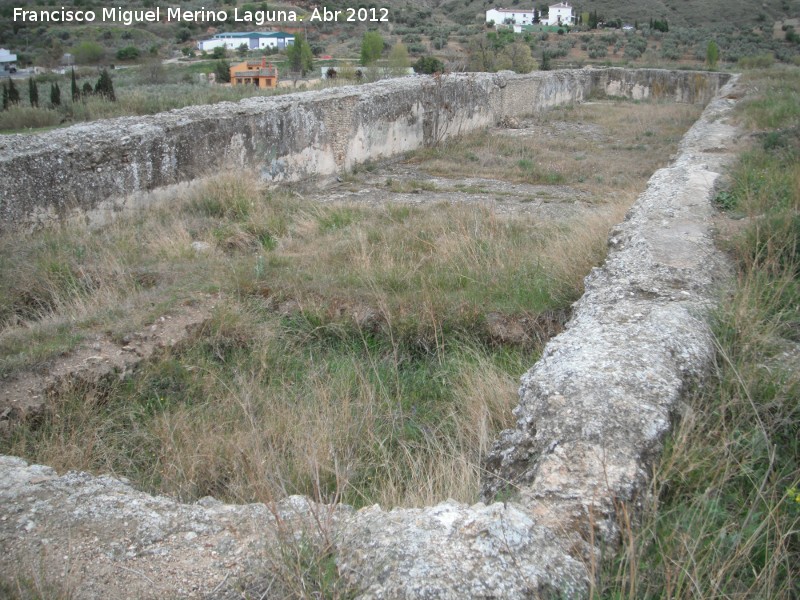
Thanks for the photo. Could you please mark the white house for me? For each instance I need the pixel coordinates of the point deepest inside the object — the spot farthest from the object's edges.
(254, 40)
(510, 16)
(561, 14)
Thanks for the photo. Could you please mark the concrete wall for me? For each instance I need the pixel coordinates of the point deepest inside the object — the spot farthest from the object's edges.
(592, 417)
(99, 168)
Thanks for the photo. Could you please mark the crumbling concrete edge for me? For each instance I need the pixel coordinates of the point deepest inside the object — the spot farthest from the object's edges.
(94, 171)
(592, 416)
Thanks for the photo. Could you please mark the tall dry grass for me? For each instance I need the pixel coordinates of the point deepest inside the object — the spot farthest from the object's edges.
(349, 357)
(722, 517)
(603, 148)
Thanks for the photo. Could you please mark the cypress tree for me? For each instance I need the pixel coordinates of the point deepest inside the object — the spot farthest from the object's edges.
(712, 54)
(5, 96)
(33, 93)
(55, 95)
(76, 94)
(13, 92)
(545, 64)
(87, 89)
(105, 87)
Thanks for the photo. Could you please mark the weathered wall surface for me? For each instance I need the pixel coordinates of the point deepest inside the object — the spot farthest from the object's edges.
(98, 168)
(591, 417)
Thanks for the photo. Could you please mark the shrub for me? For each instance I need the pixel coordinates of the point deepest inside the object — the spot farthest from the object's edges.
(25, 117)
(88, 53)
(597, 49)
(128, 53)
(428, 65)
(760, 61)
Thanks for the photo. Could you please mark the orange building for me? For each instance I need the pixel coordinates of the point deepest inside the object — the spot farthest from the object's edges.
(260, 74)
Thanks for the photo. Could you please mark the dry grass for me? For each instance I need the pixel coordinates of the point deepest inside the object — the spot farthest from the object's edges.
(722, 517)
(608, 150)
(349, 356)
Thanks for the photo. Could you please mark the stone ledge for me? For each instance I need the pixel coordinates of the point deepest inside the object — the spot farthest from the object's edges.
(592, 416)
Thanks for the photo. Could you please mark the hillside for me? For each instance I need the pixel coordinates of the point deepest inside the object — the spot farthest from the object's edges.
(424, 25)
(702, 13)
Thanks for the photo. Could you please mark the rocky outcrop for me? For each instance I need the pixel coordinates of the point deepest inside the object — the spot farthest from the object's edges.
(592, 416)
(94, 170)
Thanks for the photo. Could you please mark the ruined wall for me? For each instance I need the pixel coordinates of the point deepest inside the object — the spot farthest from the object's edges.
(98, 168)
(592, 415)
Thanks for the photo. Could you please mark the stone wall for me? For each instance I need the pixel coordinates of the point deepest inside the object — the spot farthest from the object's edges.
(96, 169)
(592, 416)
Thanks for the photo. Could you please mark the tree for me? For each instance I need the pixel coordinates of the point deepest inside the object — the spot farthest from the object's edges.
(222, 71)
(5, 96)
(712, 54)
(105, 87)
(520, 55)
(428, 65)
(13, 92)
(242, 50)
(659, 25)
(371, 47)
(486, 54)
(76, 94)
(55, 95)
(398, 59)
(545, 64)
(301, 60)
(87, 89)
(218, 52)
(33, 92)
(152, 71)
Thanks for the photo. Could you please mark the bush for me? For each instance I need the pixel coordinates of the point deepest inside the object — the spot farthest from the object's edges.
(597, 49)
(760, 61)
(128, 53)
(428, 65)
(88, 53)
(25, 117)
